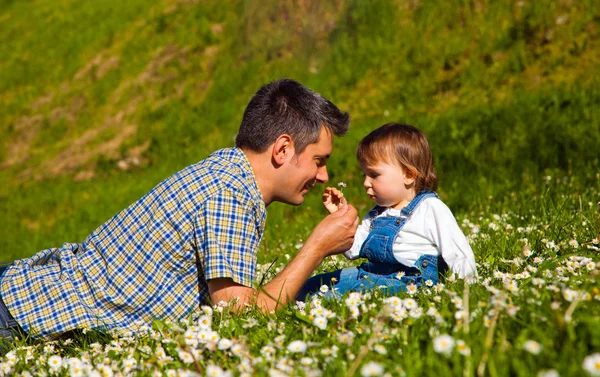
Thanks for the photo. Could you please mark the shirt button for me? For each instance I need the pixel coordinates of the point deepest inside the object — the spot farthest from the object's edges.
(425, 263)
(398, 222)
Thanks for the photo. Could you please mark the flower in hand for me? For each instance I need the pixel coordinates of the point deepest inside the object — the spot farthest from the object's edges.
(333, 199)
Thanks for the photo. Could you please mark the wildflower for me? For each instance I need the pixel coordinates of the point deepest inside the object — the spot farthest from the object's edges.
(590, 266)
(411, 289)
(105, 371)
(207, 310)
(214, 371)
(380, 349)
(320, 322)
(429, 283)
(306, 361)
(225, 344)
(55, 362)
(462, 347)
(205, 322)
(342, 185)
(400, 275)
(268, 352)
(511, 286)
(371, 369)
(409, 303)
(532, 347)
(570, 294)
(324, 288)
(443, 344)
(186, 357)
(416, 313)
(75, 367)
(393, 301)
(251, 322)
(346, 338)
(354, 311)
(297, 346)
(574, 243)
(353, 299)
(592, 364)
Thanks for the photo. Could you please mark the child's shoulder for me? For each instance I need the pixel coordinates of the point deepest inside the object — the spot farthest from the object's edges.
(434, 204)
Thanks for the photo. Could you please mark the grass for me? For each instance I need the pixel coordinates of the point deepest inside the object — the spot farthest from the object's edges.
(534, 308)
(506, 91)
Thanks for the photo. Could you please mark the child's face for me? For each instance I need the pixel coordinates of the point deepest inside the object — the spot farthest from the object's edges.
(388, 185)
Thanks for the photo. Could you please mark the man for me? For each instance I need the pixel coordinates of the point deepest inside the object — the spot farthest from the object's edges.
(195, 236)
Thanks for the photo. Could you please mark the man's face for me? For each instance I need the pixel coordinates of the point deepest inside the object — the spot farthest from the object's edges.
(305, 170)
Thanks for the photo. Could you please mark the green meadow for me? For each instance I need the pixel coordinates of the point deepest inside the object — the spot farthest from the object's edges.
(102, 100)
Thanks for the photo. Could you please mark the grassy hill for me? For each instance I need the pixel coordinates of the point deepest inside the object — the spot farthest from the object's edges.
(99, 101)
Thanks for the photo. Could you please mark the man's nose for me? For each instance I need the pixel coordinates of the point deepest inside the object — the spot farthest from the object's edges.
(322, 175)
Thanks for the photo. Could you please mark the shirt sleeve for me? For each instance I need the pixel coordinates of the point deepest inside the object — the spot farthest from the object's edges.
(359, 238)
(227, 237)
(451, 242)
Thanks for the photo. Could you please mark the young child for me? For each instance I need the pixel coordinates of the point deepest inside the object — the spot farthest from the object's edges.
(410, 236)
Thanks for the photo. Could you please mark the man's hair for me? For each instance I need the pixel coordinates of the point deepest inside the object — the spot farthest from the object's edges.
(287, 107)
(403, 145)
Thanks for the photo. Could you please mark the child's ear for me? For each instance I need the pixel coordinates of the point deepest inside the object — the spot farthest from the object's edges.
(410, 177)
(283, 149)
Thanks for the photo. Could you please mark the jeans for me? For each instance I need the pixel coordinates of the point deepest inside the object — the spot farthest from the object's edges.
(369, 276)
(8, 325)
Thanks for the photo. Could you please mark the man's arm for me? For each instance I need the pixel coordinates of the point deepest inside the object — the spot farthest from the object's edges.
(333, 235)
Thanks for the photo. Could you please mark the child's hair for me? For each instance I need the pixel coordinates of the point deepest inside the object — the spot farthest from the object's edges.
(403, 145)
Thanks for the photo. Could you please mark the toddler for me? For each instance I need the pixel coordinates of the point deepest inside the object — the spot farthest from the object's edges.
(410, 236)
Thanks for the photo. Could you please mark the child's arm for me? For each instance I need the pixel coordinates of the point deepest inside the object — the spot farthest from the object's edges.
(359, 238)
(451, 241)
(333, 199)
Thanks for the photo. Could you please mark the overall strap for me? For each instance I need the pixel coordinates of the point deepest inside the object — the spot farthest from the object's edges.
(423, 194)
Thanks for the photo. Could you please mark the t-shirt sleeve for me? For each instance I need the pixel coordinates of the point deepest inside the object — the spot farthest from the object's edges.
(359, 238)
(227, 238)
(451, 241)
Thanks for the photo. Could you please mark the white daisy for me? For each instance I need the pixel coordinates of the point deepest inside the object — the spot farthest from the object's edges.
(443, 344)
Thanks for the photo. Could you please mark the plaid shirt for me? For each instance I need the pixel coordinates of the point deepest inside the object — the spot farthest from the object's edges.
(141, 264)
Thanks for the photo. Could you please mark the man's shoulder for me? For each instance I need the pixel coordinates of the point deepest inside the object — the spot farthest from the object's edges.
(222, 169)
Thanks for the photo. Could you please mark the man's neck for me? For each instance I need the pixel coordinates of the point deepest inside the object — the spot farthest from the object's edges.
(263, 172)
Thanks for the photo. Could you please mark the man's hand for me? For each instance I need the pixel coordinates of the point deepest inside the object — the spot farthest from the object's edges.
(335, 234)
(333, 199)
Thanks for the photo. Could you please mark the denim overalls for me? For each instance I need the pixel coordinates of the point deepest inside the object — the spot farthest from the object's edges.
(382, 270)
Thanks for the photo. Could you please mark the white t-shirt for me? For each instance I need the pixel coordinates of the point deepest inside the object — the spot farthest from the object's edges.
(431, 230)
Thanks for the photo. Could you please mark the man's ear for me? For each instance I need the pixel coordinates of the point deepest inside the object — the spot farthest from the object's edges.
(283, 149)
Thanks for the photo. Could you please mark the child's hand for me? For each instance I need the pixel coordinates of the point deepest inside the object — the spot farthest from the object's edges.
(333, 199)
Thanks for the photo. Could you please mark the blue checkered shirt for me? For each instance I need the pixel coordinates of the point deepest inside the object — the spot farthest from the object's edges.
(141, 264)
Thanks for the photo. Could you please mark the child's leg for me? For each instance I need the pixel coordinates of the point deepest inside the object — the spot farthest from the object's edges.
(338, 283)
(313, 284)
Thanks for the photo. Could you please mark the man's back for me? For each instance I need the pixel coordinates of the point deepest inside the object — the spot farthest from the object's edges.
(140, 264)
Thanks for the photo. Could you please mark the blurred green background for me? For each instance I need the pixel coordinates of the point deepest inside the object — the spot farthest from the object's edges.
(101, 100)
